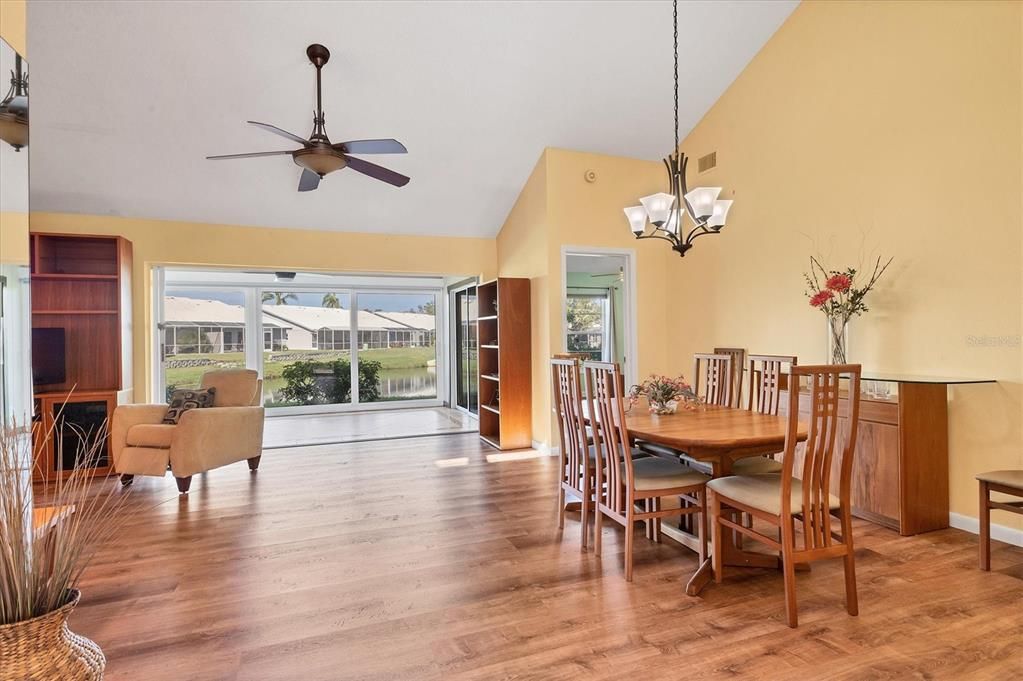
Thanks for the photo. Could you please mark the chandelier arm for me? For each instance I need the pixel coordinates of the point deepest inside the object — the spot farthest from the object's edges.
(701, 231)
(656, 236)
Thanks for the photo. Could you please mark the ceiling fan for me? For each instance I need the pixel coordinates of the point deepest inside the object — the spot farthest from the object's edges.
(619, 275)
(318, 156)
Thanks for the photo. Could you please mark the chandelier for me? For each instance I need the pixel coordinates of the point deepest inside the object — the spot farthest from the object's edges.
(666, 212)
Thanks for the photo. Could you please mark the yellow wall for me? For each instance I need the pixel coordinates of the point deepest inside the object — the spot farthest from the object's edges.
(14, 237)
(559, 208)
(12, 26)
(157, 242)
(887, 127)
(522, 251)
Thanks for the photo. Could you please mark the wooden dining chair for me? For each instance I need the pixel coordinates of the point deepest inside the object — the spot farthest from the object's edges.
(1007, 482)
(738, 356)
(768, 376)
(781, 500)
(577, 469)
(628, 489)
(717, 372)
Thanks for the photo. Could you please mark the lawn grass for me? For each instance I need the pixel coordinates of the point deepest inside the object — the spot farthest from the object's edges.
(389, 358)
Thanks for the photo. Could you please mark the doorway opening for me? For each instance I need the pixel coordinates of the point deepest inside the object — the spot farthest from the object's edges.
(597, 301)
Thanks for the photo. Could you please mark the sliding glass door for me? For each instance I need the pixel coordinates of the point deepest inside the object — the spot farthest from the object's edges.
(396, 349)
(464, 311)
(202, 329)
(307, 348)
(316, 347)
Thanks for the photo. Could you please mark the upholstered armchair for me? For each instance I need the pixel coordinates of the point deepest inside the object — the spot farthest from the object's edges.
(203, 439)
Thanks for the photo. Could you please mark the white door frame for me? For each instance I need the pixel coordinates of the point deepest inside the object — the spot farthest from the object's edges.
(631, 353)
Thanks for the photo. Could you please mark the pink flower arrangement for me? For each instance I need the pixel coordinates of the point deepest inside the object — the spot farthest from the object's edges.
(821, 297)
(839, 283)
(839, 296)
(662, 391)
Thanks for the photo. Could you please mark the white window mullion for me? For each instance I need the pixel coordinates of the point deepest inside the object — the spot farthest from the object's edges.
(353, 332)
(254, 329)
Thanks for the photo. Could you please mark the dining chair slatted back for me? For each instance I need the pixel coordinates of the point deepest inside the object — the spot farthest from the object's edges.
(781, 500)
(717, 372)
(630, 490)
(610, 434)
(738, 356)
(820, 448)
(767, 378)
(576, 469)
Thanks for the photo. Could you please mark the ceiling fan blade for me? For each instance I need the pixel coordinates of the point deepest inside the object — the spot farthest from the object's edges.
(309, 181)
(283, 133)
(384, 146)
(253, 155)
(377, 172)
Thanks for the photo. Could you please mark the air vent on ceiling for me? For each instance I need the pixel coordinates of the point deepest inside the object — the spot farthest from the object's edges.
(707, 162)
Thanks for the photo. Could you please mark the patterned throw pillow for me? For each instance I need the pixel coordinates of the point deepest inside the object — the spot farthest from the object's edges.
(183, 400)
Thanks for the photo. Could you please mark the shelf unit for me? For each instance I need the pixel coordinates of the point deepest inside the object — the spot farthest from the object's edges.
(81, 284)
(505, 370)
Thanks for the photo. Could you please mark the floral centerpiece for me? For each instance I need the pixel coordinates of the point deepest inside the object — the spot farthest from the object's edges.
(664, 394)
(841, 297)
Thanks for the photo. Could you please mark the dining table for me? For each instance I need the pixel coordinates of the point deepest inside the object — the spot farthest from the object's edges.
(717, 436)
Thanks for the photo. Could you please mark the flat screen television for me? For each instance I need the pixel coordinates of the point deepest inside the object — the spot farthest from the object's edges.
(48, 352)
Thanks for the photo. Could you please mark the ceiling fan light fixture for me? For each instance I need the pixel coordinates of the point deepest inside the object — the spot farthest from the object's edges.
(319, 160)
(14, 109)
(13, 129)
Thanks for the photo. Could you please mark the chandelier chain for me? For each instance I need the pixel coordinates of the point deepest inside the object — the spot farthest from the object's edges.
(675, 22)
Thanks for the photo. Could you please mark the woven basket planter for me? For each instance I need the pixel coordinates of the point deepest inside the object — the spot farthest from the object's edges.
(44, 649)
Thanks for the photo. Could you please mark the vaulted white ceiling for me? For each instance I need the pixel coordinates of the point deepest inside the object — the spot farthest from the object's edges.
(127, 98)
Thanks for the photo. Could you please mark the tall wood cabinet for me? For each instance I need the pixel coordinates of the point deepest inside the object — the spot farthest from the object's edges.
(505, 363)
(82, 345)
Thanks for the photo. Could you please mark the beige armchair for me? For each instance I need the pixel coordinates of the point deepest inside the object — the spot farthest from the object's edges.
(229, 431)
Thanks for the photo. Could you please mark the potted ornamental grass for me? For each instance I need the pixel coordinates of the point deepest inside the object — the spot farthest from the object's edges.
(664, 394)
(41, 563)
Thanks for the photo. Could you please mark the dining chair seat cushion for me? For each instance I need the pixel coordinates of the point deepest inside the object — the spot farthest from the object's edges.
(756, 465)
(653, 472)
(762, 492)
(658, 449)
(636, 453)
(1007, 478)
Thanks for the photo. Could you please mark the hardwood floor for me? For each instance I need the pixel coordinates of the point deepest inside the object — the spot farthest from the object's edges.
(422, 559)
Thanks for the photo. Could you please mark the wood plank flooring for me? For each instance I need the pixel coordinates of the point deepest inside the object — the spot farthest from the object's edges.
(422, 559)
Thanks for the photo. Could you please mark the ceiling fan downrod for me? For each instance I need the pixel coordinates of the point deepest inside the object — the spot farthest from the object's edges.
(318, 55)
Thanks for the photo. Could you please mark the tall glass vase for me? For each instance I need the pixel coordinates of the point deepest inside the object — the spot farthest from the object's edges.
(838, 339)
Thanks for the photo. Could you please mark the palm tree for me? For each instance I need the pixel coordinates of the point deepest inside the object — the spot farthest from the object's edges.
(330, 300)
(278, 298)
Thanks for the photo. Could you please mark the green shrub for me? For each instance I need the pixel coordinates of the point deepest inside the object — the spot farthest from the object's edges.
(329, 382)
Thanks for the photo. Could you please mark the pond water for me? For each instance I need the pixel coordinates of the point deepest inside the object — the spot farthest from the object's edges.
(415, 383)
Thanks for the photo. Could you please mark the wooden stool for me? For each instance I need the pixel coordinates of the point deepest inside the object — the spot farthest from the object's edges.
(1006, 482)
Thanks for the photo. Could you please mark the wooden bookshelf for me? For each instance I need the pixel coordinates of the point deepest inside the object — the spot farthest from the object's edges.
(505, 370)
(82, 285)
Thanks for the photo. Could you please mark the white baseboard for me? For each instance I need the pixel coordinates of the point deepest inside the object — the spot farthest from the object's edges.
(545, 448)
(1001, 533)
